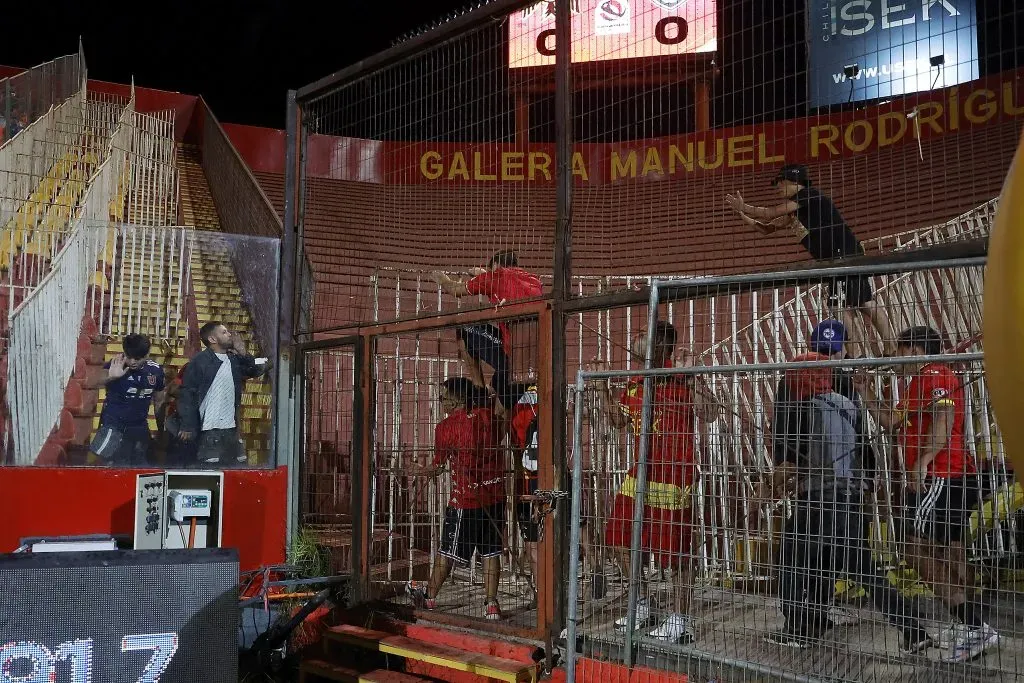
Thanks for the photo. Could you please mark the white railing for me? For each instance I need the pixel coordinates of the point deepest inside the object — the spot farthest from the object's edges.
(153, 190)
(44, 329)
(141, 281)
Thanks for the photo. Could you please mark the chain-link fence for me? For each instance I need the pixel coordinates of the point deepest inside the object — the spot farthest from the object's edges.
(805, 514)
(28, 95)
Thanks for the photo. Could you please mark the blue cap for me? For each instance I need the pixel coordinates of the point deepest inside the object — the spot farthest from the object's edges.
(828, 337)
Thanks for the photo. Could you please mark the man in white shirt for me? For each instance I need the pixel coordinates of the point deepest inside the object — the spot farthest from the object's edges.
(211, 392)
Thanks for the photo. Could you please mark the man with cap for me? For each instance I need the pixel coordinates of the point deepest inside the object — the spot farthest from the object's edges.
(816, 223)
(819, 466)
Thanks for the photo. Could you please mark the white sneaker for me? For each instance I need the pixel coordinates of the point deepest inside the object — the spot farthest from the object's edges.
(843, 616)
(970, 643)
(676, 629)
(643, 615)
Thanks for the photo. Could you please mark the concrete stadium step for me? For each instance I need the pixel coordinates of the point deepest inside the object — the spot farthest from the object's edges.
(444, 656)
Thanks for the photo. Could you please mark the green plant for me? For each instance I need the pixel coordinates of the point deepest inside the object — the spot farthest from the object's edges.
(306, 554)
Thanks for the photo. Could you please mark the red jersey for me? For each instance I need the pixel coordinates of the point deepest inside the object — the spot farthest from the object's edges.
(523, 413)
(504, 285)
(468, 443)
(670, 460)
(935, 386)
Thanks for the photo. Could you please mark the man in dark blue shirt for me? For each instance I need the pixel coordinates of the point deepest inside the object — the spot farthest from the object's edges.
(133, 383)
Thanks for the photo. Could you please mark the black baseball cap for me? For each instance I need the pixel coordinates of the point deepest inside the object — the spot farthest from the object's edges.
(794, 173)
(923, 336)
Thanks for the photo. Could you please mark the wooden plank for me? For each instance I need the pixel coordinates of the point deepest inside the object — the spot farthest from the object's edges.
(439, 655)
(385, 676)
(322, 669)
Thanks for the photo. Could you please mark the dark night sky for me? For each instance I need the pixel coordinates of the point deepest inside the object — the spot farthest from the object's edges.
(243, 56)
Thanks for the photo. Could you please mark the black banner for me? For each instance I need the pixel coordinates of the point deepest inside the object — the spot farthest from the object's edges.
(893, 43)
(119, 617)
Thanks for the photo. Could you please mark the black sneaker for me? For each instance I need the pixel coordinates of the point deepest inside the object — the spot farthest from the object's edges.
(916, 643)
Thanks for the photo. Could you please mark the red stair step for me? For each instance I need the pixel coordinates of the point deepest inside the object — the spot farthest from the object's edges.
(318, 668)
(434, 654)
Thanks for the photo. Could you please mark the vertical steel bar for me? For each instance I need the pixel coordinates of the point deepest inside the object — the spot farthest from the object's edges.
(640, 493)
(575, 522)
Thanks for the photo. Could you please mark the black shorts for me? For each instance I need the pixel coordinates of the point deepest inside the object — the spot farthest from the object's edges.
(122, 447)
(942, 510)
(852, 292)
(528, 526)
(483, 343)
(473, 529)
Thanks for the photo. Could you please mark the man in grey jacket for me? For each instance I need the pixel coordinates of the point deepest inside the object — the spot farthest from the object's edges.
(819, 464)
(211, 392)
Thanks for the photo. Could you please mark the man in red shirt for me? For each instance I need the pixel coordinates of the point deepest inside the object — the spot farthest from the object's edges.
(502, 282)
(678, 402)
(466, 441)
(942, 486)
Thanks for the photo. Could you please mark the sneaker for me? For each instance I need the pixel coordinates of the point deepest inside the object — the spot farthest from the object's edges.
(418, 596)
(916, 642)
(643, 615)
(492, 610)
(970, 643)
(787, 639)
(676, 629)
(946, 635)
(843, 616)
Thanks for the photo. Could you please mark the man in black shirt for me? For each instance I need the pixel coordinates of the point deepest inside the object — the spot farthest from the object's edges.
(819, 227)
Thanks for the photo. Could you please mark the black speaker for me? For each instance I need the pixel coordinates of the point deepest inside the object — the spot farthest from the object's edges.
(119, 617)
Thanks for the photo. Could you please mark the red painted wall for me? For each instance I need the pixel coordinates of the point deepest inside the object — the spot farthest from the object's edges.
(746, 148)
(7, 71)
(262, 148)
(47, 501)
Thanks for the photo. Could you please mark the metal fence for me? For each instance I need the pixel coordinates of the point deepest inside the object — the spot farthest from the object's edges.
(563, 132)
(29, 95)
(141, 282)
(57, 300)
(708, 612)
(242, 205)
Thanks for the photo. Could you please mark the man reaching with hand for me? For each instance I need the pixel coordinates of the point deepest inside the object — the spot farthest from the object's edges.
(816, 223)
(133, 384)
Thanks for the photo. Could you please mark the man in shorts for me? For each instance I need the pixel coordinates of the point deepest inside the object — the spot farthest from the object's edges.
(814, 220)
(134, 382)
(943, 488)
(502, 282)
(466, 442)
(678, 402)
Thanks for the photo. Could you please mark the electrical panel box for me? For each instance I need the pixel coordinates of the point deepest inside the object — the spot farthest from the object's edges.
(150, 527)
(176, 509)
(189, 503)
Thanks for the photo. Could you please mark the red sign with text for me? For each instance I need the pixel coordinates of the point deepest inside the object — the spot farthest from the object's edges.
(614, 29)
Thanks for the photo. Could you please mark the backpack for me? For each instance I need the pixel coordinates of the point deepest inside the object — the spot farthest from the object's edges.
(833, 445)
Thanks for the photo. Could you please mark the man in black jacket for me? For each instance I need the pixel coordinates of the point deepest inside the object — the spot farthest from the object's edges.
(211, 392)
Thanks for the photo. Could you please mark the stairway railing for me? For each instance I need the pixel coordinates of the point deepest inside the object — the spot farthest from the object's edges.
(44, 329)
(141, 282)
